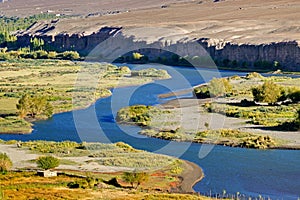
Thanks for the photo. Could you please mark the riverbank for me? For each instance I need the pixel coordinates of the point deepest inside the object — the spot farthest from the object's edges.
(234, 120)
(66, 85)
(290, 139)
(191, 175)
(23, 159)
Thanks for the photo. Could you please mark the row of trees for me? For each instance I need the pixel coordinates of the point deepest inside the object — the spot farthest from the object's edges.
(268, 92)
(34, 106)
(12, 24)
(37, 54)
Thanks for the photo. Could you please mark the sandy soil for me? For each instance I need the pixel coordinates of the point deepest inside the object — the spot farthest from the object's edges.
(191, 113)
(190, 176)
(237, 21)
(21, 160)
(77, 7)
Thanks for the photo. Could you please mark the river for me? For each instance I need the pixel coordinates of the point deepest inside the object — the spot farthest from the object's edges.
(270, 173)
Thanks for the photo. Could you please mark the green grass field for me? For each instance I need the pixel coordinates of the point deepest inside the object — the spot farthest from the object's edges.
(68, 85)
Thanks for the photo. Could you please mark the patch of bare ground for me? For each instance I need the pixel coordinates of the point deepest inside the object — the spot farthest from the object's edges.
(191, 175)
(78, 7)
(23, 159)
(190, 109)
(236, 21)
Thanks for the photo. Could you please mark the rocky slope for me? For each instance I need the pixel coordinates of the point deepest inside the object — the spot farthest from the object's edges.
(240, 33)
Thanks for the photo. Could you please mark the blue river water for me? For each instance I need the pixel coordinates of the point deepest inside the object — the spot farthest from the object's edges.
(269, 173)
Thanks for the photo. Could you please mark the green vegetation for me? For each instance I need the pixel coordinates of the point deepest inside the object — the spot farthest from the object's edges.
(38, 85)
(34, 106)
(269, 92)
(291, 125)
(256, 114)
(278, 113)
(137, 114)
(12, 24)
(158, 125)
(151, 72)
(36, 52)
(281, 93)
(27, 185)
(118, 154)
(235, 138)
(215, 88)
(135, 178)
(134, 57)
(13, 124)
(219, 87)
(94, 185)
(47, 162)
(137, 56)
(5, 163)
(37, 44)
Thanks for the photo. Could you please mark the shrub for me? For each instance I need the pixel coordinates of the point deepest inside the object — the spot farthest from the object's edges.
(70, 55)
(136, 56)
(138, 114)
(125, 147)
(202, 92)
(269, 92)
(259, 142)
(254, 75)
(34, 106)
(47, 162)
(5, 163)
(219, 87)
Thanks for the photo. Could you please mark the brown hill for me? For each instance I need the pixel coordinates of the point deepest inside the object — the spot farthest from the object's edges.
(238, 21)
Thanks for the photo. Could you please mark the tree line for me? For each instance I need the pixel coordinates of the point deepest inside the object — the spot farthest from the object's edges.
(12, 24)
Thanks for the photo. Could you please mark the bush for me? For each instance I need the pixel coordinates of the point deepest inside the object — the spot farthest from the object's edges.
(269, 92)
(202, 92)
(219, 87)
(34, 106)
(47, 162)
(5, 163)
(125, 147)
(254, 75)
(259, 142)
(138, 114)
(70, 55)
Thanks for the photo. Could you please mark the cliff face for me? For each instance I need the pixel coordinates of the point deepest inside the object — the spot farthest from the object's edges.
(113, 40)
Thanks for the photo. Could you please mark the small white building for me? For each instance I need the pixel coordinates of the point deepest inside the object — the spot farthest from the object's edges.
(47, 173)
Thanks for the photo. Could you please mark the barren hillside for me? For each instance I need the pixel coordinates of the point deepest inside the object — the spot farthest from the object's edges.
(238, 21)
(243, 31)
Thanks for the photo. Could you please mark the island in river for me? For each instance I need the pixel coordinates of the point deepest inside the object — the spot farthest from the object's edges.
(232, 120)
